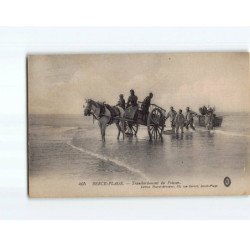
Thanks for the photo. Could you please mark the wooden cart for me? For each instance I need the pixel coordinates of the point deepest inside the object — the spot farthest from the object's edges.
(154, 120)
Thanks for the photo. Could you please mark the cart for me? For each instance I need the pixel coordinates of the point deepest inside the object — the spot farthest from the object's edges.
(203, 121)
(208, 118)
(154, 120)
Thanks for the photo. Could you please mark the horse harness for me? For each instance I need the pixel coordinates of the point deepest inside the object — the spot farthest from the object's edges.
(114, 112)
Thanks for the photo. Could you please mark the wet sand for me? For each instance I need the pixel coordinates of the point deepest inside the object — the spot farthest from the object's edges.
(67, 150)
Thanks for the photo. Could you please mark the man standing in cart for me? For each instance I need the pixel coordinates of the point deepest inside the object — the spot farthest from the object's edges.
(172, 114)
(145, 105)
(132, 99)
(132, 106)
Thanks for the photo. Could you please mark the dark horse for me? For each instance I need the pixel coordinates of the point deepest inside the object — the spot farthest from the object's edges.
(105, 115)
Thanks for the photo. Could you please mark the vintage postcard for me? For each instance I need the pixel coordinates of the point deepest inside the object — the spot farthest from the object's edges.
(138, 124)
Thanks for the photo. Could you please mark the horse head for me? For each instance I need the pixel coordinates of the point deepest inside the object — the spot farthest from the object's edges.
(87, 107)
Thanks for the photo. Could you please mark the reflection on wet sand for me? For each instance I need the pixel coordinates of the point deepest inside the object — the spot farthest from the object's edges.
(78, 152)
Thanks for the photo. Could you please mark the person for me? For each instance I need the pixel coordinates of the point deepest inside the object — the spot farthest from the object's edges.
(132, 100)
(179, 121)
(203, 110)
(121, 101)
(189, 117)
(209, 118)
(146, 103)
(172, 114)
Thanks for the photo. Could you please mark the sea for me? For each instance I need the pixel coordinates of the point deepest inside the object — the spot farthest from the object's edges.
(69, 147)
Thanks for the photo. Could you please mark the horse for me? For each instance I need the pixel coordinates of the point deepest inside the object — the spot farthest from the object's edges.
(105, 114)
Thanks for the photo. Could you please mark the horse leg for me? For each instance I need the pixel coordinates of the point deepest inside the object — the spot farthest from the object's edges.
(123, 129)
(103, 132)
(105, 121)
(100, 126)
(119, 130)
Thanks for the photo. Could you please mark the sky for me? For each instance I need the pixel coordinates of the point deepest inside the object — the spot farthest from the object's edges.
(59, 84)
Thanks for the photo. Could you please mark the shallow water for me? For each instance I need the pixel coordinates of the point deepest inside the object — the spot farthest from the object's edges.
(69, 147)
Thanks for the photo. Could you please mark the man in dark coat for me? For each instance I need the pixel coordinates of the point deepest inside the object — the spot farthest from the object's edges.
(121, 102)
(132, 100)
(146, 103)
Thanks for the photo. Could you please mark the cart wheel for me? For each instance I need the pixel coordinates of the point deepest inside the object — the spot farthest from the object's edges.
(131, 128)
(155, 124)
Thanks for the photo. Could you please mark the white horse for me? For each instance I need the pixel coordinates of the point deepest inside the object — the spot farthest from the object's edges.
(101, 112)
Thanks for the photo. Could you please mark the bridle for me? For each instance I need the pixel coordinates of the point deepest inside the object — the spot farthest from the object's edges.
(89, 110)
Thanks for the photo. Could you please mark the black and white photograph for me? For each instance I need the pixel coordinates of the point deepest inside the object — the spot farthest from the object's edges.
(138, 124)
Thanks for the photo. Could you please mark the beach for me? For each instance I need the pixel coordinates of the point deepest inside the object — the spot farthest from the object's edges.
(65, 150)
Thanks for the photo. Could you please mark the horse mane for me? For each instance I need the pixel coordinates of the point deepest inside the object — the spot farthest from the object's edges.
(101, 103)
(91, 101)
(95, 103)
